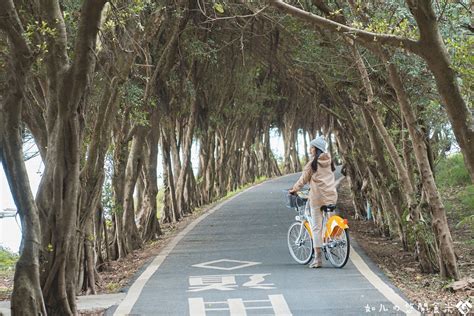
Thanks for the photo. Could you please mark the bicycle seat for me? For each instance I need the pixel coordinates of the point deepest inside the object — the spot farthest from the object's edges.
(328, 208)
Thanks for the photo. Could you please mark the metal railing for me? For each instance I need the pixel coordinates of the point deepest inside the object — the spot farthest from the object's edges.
(8, 212)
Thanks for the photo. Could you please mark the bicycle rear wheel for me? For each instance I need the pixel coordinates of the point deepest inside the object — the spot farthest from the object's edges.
(300, 243)
(338, 249)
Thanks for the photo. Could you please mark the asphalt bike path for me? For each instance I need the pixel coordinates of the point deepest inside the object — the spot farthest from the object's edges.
(235, 261)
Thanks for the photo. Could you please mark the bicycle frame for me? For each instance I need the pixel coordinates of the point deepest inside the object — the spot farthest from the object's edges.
(332, 226)
(335, 235)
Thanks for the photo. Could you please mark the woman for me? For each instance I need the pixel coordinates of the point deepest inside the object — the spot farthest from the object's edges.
(319, 173)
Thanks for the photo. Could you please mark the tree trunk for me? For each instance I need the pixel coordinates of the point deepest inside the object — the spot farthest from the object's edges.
(58, 193)
(399, 166)
(121, 152)
(306, 156)
(149, 224)
(388, 181)
(407, 150)
(211, 170)
(175, 149)
(93, 174)
(447, 258)
(221, 166)
(170, 209)
(133, 240)
(27, 298)
(402, 172)
(287, 167)
(188, 141)
(433, 50)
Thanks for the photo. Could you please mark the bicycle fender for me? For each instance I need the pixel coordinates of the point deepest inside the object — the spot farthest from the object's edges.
(335, 225)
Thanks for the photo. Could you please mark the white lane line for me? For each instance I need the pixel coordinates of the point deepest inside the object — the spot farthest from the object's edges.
(380, 285)
(280, 307)
(133, 293)
(236, 307)
(196, 306)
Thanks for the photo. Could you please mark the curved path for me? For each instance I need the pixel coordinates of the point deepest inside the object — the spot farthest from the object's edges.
(234, 261)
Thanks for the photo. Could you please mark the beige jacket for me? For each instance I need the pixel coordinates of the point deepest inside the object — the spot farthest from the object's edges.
(322, 183)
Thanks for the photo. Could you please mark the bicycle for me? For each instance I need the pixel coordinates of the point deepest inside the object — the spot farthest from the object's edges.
(336, 242)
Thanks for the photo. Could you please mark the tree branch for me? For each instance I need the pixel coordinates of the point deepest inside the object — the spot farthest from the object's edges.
(84, 47)
(11, 24)
(358, 35)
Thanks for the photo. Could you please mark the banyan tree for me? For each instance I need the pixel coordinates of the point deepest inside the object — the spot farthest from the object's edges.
(143, 111)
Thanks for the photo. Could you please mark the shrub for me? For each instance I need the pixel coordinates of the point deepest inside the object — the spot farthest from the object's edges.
(7, 259)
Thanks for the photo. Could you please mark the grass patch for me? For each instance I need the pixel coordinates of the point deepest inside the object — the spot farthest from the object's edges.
(467, 197)
(113, 287)
(455, 185)
(8, 259)
(451, 171)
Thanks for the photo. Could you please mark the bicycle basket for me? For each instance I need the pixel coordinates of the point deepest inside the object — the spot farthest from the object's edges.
(291, 200)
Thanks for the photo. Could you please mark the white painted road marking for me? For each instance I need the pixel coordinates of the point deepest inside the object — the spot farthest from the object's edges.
(280, 307)
(196, 307)
(228, 282)
(133, 293)
(256, 282)
(239, 264)
(212, 282)
(380, 285)
(237, 306)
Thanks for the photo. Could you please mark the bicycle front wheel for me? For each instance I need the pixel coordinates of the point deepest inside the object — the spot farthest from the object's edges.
(338, 249)
(300, 243)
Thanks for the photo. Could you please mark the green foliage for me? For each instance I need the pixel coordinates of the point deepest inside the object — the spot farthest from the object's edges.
(218, 7)
(467, 198)
(8, 259)
(461, 49)
(37, 35)
(466, 205)
(381, 25)
(133, 98)
(113, 287)
(202, 50)
(454, 16)
(453, 178)
(452, 172)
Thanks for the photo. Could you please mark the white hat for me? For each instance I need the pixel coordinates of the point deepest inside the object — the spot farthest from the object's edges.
(319, 143)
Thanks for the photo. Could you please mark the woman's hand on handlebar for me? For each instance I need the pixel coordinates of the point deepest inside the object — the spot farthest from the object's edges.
(291, 191)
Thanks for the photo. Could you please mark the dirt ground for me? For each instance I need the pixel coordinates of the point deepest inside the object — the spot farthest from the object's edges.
(118, 273)
(426, 291)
